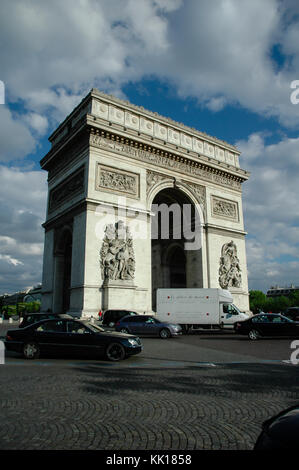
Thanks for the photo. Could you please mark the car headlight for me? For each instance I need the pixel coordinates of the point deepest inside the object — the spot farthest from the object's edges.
(133, 342)
(176, 327)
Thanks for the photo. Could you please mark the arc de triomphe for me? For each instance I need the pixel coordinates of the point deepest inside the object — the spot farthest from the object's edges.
(112, 166)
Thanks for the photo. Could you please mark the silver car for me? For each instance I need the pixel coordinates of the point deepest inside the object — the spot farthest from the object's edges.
(147, 325)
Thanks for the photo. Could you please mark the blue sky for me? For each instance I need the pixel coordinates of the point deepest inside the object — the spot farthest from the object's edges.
(224, 67)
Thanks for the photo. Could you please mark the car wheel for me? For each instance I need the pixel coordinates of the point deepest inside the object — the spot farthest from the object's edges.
(253, 335)
(124, 330)
(115, 352)
(164, 334)
(31, 350)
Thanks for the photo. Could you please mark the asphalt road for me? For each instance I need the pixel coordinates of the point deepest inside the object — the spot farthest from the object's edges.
(207, 391)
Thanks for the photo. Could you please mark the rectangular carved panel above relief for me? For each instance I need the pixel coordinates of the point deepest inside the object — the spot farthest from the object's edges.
(117, 181)
(225, 208)
(67, 189)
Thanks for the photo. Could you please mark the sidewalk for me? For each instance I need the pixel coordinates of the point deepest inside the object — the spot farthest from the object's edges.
(5, 326)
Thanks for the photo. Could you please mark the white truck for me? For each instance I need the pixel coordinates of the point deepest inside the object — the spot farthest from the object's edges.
(198, 308)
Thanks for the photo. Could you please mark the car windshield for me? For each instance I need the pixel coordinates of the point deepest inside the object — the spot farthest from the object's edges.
(94, 328)
(285, 319)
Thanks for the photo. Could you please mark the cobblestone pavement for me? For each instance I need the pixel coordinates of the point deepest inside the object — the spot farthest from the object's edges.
(89, 405)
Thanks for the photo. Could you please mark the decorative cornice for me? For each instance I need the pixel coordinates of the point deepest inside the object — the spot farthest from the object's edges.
(140, 109)
(120, 115)
(164, 158)
(220, 229)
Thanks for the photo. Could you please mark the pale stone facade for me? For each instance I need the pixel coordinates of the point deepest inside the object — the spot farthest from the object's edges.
(109, 162)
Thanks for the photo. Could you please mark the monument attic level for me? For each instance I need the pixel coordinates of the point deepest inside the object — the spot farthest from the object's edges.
(109, 153)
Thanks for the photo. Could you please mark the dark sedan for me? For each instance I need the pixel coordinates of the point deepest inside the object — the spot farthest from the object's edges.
(267, 325)
(280, 432)
(147, 325)
(292, 313)
(75, 337)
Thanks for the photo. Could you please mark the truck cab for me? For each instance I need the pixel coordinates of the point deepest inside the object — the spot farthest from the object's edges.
(230, 314)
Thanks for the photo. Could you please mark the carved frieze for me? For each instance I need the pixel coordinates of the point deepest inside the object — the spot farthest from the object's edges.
(224, 208)
(153, 178)
(70, 187)
(200, 192)
(117, 181)
(166, 161)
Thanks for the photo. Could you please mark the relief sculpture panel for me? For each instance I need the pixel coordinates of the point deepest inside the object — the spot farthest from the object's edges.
(225, 208)
(117, 253)
(229, 270)
(117, 181)
(70, 187)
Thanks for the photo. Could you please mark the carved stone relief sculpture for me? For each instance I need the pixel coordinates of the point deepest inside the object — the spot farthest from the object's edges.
(72, 186)
(118, 181)
(117, 253)
(225, 208)
(153, 178)
(229, 270)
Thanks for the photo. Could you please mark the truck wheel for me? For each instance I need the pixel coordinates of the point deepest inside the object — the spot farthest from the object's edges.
(253, 335)
(164, 334)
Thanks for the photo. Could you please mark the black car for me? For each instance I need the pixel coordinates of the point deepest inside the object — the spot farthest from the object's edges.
(280, 432)
(270, 324)
(292, 313)
(71, 336)
(30, 318)
(111, 317)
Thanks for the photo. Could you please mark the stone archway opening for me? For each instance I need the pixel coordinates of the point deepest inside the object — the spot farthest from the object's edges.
(67, 270)
(177, 267)
(62, 273)
(174, 266)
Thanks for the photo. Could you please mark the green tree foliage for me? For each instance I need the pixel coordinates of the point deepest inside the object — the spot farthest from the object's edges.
(20, 308)
(257, 300)
(260, 302)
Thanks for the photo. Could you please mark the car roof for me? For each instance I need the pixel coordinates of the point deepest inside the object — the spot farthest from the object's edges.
(137, 315)
(59, 317)
(119, 310)
(41, 313)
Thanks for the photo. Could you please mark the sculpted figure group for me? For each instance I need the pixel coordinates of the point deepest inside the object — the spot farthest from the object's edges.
(229, 271)
(117, 254)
